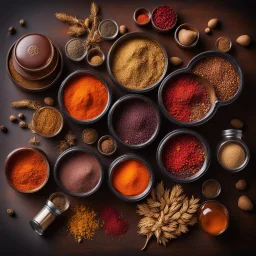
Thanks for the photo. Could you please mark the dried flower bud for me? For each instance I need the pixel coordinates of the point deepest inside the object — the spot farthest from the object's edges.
(22, 124)
(13, 118)
(21, 116)
(22, 22)
(3, 129)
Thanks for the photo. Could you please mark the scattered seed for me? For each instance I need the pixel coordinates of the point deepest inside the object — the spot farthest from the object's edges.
(13, 118)
(22, 124)
(3, 129)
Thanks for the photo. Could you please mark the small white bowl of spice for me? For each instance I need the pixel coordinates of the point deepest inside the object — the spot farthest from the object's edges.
(95, 57)
(76, 49)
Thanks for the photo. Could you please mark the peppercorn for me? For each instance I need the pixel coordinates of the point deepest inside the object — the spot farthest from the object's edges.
(10, 212)
(49, 101)
(11, 30)
(22, 22)
(122, 29)
(21, 116)
(22, 124)
(3, 129)
(13, 118)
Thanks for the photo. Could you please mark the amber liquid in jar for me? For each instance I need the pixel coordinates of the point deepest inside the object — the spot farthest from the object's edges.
(213, 217)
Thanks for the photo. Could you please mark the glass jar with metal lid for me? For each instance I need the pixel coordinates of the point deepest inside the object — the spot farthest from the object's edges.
(233, 148)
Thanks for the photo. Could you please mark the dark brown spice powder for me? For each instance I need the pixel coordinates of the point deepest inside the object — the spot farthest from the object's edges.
(211, 188)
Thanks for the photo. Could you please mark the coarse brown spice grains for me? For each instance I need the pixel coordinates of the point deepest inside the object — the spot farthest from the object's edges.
(211, 188)
(221, 74)
(224, 44)
(90, 136)
(138, 63)
(59, 202)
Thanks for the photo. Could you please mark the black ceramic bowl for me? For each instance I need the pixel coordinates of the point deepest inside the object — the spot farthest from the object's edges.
(117, 105)
(66, 82)
(130, 198)
(121, 40)
(205, 165)
(62, 157)
(215, 102)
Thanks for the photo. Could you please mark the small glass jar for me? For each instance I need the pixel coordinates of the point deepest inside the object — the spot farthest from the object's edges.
(48, 214)
(233, 136)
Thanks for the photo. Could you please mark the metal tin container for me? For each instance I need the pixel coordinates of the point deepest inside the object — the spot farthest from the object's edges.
(137, 198)
(217, 103)
(65, 83)
(117, 106)
(120, 41)
(234, 136)
(205, 165)
(47, 215)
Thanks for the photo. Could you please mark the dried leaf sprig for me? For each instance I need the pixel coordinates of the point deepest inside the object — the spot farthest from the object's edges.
(69, 141)
(166, 214)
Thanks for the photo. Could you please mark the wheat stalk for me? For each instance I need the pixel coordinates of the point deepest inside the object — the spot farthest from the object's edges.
(167, 214)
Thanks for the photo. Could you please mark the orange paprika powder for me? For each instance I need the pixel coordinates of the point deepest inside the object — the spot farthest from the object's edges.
(131, 177)
(28, 170)
(85, 97)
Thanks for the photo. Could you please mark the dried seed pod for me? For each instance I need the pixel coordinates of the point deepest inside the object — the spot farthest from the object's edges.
(49, 101)
(11, 30)
(22, 22)
(13, 118)
(22, 124)
(3, 129)
(10, 211)
(21, 116)
(207, 30)
(236, 123)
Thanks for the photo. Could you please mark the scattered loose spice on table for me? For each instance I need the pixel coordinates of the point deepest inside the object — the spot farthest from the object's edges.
(130, 177)
(164, 17)
(28, 170)
(130, 59)
(113, 223)
(142, 18)
(183, 155)
(85, 97)
(185, 99)
(83, 223)
(221, 74)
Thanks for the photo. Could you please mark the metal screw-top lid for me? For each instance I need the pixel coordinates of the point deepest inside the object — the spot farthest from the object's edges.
(232, 133)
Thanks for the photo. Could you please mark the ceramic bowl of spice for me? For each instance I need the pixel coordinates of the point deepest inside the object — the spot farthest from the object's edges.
(34, 85)
(187, 99)
(186, 36)
(47, 122)
(95, 57)
(164, 18)
(90, 136)
(211, 188)
(130, 178)
(183, 155)
(108, 29)
(125, 67)
(78, 172)
(76, 49)
(142, 16)
(107, 145)
(223, 44)
(134, 121)
(27, 169)
(84, 97)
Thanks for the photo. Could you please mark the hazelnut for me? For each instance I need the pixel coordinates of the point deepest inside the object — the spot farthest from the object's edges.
(49, 101)
(22, 22)
(21, 116)
(122, 29)
(13, 118)
(207, 30)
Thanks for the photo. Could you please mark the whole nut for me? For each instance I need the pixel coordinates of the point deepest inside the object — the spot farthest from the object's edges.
(213, 23)
(22, 124)
(3, 129)
(22, 22)
(175, 61)
(241, 185)
(13, 118)
(236, 123)
(49, 101)
(207, 30)
(245, 203)
(21, 116)
(122, 29)
(11, 30)
(10, 211)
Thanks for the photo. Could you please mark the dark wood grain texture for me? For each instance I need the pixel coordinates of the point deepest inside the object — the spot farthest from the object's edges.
(17, 238)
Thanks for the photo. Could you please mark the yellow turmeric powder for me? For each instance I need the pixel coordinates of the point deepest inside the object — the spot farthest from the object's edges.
(85, 97)
(82, 223)
(131, 177)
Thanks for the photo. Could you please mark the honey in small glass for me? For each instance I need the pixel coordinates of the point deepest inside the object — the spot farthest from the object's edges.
(213, 217)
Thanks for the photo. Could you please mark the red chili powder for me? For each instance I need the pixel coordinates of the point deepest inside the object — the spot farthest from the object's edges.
(142, 18)
(113, 224)
(183, 155)
(164, 17)
(185, 99)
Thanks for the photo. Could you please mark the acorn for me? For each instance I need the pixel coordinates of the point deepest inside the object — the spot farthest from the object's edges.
(122, 29)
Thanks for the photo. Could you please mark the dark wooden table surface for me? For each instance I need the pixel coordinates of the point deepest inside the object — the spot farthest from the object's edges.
(16, 236)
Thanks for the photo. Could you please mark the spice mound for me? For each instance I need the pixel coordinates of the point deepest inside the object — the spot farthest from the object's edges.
(47, 121)
(142, 18)
(28, 170)
(135, 121)
(164, 17)
(138, 63)
(183, 156)
(221, 74)
(185, 99)
(232, 155)
(85, 97)
(107, 146)
(82, 223)
(113, 224)
(79, 172)
(130, 177)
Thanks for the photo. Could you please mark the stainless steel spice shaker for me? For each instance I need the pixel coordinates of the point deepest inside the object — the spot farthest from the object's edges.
(47, 215)
(235, 136)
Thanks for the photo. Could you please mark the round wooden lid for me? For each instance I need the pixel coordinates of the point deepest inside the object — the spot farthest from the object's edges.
(33, 51)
